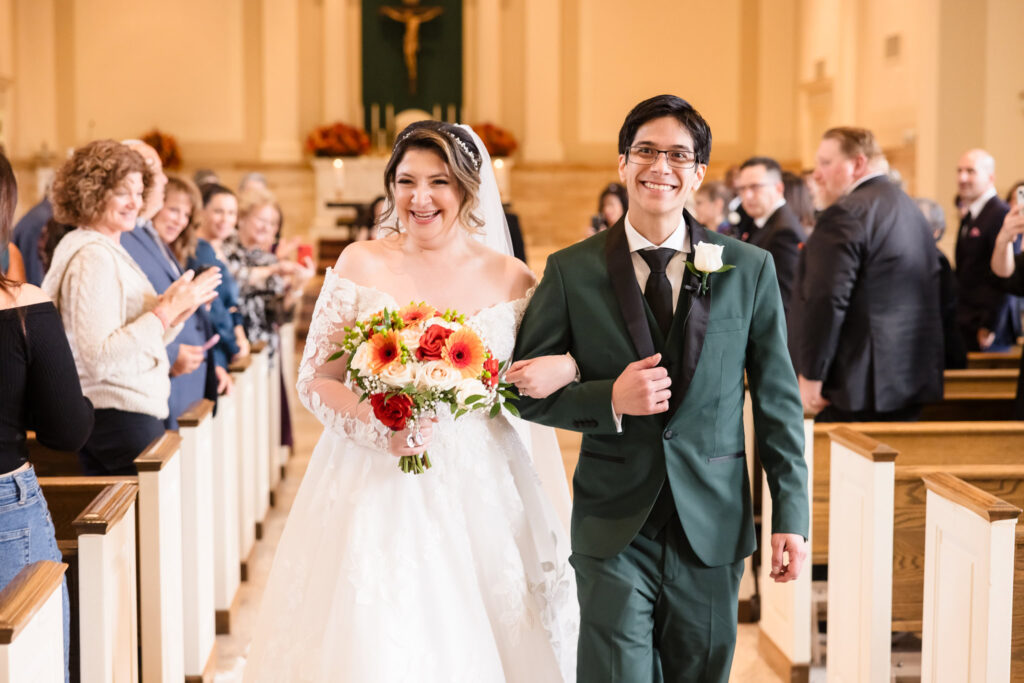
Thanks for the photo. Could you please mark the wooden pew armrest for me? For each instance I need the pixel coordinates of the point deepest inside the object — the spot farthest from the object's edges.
(25, 595)
(196, 413)
(106, 509)
(240, 365)
(974, 499)
(159, 453)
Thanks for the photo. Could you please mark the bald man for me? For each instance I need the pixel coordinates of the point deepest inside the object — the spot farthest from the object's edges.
(986, 316)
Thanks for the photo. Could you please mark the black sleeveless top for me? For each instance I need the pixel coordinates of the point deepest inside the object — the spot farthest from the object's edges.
(39, 387)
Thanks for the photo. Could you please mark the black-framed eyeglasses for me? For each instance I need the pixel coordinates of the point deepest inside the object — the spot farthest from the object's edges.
(676, 158)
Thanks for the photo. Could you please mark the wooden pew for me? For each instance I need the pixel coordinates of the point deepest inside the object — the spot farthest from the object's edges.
(196, 428)
(94, 518)
(986, 394)
(260, 370)
(32, 625)
(226, 560)
(919, 443)
(968, 576)
(158, 520)
(982, 360)
(860, 557)
(274, 455)
(245, 412)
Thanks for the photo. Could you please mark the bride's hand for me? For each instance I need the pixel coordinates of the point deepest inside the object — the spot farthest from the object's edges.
(400, 443)
(542, 376)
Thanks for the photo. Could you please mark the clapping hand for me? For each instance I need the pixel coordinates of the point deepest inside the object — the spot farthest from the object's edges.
(186, 294)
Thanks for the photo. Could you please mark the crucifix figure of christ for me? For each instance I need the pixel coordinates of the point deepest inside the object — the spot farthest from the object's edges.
(412, 15)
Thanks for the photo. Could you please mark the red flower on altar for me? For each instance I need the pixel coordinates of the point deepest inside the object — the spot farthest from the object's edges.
(414, 314)
(385, 348)
(392, 412)
(432, 343)
(491, 367)
(465, 352)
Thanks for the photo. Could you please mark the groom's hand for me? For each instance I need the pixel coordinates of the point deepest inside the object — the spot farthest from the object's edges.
(642, 388)
(793, 545)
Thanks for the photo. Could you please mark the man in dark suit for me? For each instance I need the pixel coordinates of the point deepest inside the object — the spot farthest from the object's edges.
(773, 225)
(26, 236)
(188, 358)
(870, 330)
(986, 314)
(662, 517)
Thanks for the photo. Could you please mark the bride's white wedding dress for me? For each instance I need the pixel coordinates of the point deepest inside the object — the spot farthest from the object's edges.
(456, 575)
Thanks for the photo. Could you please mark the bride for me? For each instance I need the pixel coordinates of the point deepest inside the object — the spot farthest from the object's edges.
(460, 573)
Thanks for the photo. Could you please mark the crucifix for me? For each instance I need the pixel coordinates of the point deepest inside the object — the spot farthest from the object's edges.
(412, 15)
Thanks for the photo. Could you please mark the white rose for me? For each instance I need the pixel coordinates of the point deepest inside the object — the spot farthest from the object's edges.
(397, 374)
(708, 257)
(437, 374)
(361, 358)
(411, 338)
(467, 388)
(437, 320)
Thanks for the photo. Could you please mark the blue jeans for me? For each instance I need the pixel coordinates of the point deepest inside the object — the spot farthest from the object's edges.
(27, 535)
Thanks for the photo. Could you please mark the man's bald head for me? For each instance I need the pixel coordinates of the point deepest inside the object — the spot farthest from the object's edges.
(975, 174)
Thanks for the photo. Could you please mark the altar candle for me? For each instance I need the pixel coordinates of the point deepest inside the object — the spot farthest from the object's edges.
(389, 118)
(451, 113)
(374, 120)
(437, 112)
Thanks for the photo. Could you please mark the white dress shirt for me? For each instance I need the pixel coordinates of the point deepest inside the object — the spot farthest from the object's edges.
(676, 268)
(978, 204)
(759, 222)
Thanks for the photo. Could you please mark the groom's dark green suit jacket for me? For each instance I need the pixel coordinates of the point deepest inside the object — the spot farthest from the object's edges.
(590, 305)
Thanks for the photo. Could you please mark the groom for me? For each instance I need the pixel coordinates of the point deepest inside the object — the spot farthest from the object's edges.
(661, 515)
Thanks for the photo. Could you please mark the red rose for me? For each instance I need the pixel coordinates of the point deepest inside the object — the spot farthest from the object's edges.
(491, 365)
(432, 342)
(392, 412)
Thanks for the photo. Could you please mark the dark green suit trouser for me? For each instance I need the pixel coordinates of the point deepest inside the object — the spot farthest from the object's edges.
(655, 612)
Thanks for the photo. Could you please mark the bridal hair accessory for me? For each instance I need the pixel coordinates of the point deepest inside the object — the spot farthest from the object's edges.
(475, 157)
(413, 362)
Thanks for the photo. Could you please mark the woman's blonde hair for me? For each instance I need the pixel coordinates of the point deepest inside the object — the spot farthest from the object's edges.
(457, 151)
(184, 245)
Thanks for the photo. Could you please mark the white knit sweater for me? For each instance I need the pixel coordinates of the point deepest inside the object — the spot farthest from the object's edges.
(106, 303)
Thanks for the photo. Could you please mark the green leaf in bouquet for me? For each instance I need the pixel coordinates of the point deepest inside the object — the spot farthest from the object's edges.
(475, 398)
(511, 408)
(336, 355)
(509, 395)
(495, 409)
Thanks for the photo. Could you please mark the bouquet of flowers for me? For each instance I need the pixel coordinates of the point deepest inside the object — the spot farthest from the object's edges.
(410, 362)
(338, 140)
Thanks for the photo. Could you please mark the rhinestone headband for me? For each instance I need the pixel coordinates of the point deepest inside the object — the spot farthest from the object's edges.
(461, 143)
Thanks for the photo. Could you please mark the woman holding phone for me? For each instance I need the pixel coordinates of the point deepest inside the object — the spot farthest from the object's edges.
(1008, 264)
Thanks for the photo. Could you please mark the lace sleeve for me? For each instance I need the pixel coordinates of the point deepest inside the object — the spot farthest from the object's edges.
(321, 383)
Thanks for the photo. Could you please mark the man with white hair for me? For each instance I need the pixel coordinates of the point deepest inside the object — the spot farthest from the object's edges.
(986, 315)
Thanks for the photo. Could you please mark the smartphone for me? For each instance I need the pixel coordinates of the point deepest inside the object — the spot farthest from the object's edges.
(211, 342)
(1020, 199)
(305, 253)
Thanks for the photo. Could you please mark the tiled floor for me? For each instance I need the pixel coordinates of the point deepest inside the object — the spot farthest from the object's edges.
(748, 667)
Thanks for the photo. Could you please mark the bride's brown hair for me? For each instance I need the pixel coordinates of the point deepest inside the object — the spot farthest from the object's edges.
(456, 149)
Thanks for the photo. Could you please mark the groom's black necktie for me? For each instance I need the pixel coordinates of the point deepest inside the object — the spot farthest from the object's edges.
(658, 291)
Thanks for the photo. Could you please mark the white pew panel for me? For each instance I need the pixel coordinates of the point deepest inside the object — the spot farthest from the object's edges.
(32, 625)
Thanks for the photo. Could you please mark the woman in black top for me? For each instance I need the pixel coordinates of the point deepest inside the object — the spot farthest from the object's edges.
(41, 392)
(1008, 264)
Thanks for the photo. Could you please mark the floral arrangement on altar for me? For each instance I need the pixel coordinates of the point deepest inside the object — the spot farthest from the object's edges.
(166, 147)
(498, 141)
(411, 362)
(338, 140)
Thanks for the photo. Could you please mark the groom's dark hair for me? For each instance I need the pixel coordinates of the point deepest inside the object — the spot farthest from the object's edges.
(676, 107)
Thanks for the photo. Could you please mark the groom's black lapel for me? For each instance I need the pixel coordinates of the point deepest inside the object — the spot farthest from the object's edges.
(627, 290)
(695, 328)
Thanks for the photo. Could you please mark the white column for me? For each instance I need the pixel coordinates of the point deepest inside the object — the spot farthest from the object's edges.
(281, 139)
(33, 103)
(860, 529)
(338, 86)
(486, 101)
(542, 134)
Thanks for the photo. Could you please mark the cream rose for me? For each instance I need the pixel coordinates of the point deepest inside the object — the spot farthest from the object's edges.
(411, 338)
(397, 375)
(708, 257)
(467, 388)
(361, 358)
(437, 320)
(437, 374)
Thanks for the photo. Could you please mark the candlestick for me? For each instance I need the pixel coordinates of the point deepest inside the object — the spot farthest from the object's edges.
(436, 112)
(451, 114)
(389, 119)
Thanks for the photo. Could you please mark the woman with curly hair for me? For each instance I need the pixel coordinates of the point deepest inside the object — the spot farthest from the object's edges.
(117, 325)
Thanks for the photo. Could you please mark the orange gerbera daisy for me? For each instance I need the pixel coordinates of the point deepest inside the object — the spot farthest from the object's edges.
(413, 314)
(465, 352)
(385, 348)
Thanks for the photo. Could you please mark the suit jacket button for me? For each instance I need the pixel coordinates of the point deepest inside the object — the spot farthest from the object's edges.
(668, 434)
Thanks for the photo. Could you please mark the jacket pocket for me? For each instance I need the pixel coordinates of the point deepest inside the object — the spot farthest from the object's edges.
(617, 459)
(732, 456)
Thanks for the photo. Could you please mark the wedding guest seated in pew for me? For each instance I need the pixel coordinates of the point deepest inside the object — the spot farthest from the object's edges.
(41, 392)
(217, 223)
(159, 224)
(117, 325)
(1008, 265)
(270, 287)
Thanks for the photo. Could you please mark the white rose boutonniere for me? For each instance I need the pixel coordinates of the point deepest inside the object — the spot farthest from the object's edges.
(707, 259)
